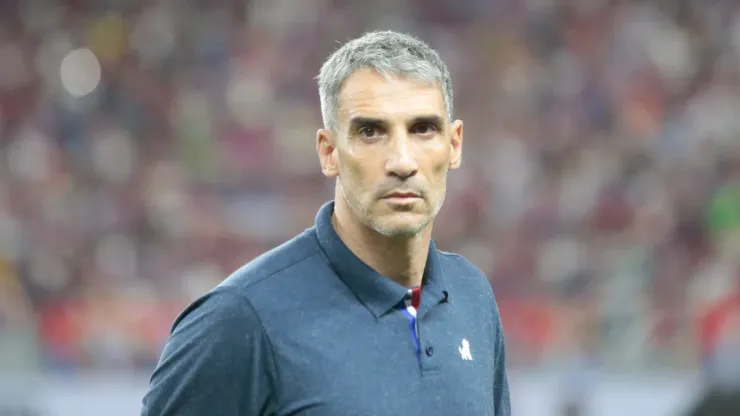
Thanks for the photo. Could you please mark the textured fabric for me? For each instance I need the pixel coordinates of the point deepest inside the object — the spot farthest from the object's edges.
(308, 329)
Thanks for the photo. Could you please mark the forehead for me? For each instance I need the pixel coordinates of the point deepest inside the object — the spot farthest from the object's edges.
(369, 94)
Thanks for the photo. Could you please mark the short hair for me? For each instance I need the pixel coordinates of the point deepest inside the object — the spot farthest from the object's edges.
(388, 53)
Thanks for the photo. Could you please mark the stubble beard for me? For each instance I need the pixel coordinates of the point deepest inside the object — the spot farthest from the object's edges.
(366, 216)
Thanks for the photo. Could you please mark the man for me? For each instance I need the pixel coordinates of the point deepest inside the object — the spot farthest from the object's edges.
(361, 314)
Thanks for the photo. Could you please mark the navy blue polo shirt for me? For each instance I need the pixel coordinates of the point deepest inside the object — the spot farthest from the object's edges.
(309, 329)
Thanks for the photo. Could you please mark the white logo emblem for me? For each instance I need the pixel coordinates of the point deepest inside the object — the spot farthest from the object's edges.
(465, 350)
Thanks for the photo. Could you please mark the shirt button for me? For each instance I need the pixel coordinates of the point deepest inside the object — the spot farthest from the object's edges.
(430, 351)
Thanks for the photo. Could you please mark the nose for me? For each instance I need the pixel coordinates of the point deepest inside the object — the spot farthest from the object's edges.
(401, 162)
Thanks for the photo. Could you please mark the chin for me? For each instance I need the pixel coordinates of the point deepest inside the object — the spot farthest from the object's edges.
(399, 227)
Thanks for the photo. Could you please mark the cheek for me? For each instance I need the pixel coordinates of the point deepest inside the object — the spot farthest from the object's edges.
(356, 178)
(438, 181)
(439, 156)
(440, 166)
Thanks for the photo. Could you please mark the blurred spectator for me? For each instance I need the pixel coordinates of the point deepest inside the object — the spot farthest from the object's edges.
(18, 343)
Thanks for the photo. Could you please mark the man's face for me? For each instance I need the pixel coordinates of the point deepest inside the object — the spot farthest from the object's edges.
(391, 152)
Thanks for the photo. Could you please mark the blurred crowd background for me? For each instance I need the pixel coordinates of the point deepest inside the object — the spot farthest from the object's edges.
(149, 148)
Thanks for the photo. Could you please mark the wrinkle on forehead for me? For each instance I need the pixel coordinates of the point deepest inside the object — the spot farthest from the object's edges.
(367, 93)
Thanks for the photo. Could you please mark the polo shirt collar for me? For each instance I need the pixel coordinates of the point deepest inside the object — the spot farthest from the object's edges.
(377, 292)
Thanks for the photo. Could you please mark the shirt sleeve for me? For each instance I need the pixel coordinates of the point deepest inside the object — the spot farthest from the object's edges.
(502, 402)
(217, 361)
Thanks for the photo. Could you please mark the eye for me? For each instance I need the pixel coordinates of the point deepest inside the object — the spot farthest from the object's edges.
(369, 131)
(424, 129)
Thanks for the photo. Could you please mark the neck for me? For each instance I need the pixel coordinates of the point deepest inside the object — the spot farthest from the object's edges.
(401, 259)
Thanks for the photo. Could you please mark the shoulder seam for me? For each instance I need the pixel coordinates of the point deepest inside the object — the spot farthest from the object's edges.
(235, 292)
(263, 330)
(289, 265)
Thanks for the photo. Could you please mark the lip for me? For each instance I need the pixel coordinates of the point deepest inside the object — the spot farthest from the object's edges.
(401, 195)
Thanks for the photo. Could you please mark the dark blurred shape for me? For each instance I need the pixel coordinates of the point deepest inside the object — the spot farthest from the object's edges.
(718, 403)
(572, 409)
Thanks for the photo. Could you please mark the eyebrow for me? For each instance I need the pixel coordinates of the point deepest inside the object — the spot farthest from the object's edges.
(358, 121)
(429, 119)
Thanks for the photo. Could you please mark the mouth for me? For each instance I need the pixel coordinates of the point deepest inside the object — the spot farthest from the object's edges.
(402, 196)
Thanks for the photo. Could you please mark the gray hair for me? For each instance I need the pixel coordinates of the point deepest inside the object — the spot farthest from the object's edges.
(388, 53)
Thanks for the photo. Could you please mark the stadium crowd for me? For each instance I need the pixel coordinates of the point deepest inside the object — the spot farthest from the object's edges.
(600, 189)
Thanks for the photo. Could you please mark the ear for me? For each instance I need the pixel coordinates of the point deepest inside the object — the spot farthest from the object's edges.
(456, 139)
(327, 153)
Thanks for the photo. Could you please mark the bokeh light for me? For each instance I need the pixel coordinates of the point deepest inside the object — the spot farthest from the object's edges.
(80, 72)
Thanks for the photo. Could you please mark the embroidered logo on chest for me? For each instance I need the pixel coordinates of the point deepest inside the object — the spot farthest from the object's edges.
(464, 349)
